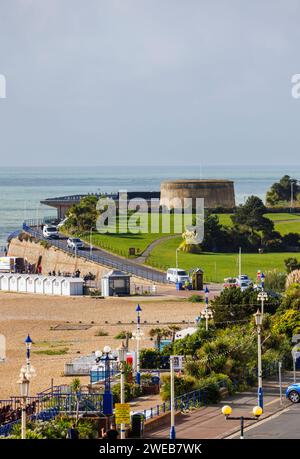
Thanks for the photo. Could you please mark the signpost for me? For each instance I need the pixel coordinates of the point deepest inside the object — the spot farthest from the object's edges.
(122, 413)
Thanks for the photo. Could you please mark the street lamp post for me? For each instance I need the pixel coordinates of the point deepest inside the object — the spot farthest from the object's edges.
(24, 382)
(122, 359)
(262, 297)
(258, 322)
(227, 410)
(138, 338)
(24, 393)
(107, 396)
(207, 313)
(172, 401)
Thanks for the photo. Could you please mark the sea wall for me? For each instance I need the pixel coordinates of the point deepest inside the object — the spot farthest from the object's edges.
(54, 259)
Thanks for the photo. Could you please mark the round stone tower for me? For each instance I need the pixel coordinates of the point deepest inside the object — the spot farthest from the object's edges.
(216, 193)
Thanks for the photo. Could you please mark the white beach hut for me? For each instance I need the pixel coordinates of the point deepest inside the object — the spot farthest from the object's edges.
(1, 277)
(31, 283)
(13, 283)
(5, 284)
(48, 285)
(72, 286)
(22, 282)
(58, 285)
(39, 284)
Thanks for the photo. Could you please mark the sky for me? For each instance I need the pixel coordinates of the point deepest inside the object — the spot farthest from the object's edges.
(139, 82)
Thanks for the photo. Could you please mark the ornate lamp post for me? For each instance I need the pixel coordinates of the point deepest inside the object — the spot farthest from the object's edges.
(122, 360)
(207, 314)
(172, 399)
(138, 338)
(262, 297)
(26, 373)
(106, 357)
(258, 321)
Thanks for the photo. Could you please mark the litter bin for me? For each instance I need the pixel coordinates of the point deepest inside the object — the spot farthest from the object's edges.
(178, 285)
(137, 425)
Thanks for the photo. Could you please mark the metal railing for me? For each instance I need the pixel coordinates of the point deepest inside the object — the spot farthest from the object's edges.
(111, 261)
(183, 402)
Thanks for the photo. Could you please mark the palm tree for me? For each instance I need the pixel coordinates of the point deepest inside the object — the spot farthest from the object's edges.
(76, 388)
(173, 330)
(159, 334)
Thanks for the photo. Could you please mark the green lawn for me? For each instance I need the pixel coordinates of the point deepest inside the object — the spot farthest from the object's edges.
(284, 223)
(216, 266)
(120, 243)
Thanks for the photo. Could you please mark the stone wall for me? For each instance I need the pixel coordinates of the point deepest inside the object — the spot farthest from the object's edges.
(54, 259)
(216, 193)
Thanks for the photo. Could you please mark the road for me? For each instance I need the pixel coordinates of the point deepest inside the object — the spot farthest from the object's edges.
(104, 258)
(285, 424)
(209, 423)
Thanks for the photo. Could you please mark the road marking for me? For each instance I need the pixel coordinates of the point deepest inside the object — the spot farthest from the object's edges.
(273, 401)
(259, 423)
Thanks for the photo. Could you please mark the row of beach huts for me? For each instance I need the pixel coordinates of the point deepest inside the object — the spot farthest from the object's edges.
(45, 285)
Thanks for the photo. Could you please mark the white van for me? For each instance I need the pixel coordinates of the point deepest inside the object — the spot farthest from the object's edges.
(50, 232)
(177, 275)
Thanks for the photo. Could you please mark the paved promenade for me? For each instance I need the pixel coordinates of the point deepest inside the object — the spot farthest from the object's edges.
(208, 422)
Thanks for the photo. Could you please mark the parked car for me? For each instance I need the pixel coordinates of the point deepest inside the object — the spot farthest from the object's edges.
(230, 282)
(177, 275)
(293, 393)
(50, 232)
(74, 243)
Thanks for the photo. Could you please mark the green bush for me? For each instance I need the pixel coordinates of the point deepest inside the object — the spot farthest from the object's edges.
(56, 429)
(101, 332)
(131, 391)
(195, 298)
(287, 323)
(150, 358)
(275, 280)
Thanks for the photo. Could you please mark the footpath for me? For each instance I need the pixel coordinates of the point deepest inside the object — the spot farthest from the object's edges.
(208, 422)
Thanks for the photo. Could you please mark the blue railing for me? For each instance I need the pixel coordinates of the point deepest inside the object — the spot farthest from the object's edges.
(183, 402)
(112, 261)
(99, 375)
(47, 415)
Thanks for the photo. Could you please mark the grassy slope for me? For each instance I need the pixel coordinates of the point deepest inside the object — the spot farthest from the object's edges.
(216, 266)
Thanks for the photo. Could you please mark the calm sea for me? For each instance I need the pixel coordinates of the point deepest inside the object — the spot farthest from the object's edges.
(22, 188)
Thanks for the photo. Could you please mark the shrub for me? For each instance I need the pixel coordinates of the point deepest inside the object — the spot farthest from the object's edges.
(124, 335)
(131, 391)
(195, 298)
(150, 358)
(287, 323)
(293, 278)
(275, 280)
(101, 332)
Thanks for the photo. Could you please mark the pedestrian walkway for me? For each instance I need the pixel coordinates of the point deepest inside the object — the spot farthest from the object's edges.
(208, 422)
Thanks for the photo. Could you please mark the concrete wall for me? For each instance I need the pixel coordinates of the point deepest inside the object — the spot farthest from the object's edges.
(57, 260)
(216, 193)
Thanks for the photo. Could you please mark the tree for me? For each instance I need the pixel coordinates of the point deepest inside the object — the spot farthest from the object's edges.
(291, 264)
(76, 388)
(251, 215)
(287, 323)
(82, 217)
(173, 330)
(159, 334)
(282, 190)
(233, 305)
